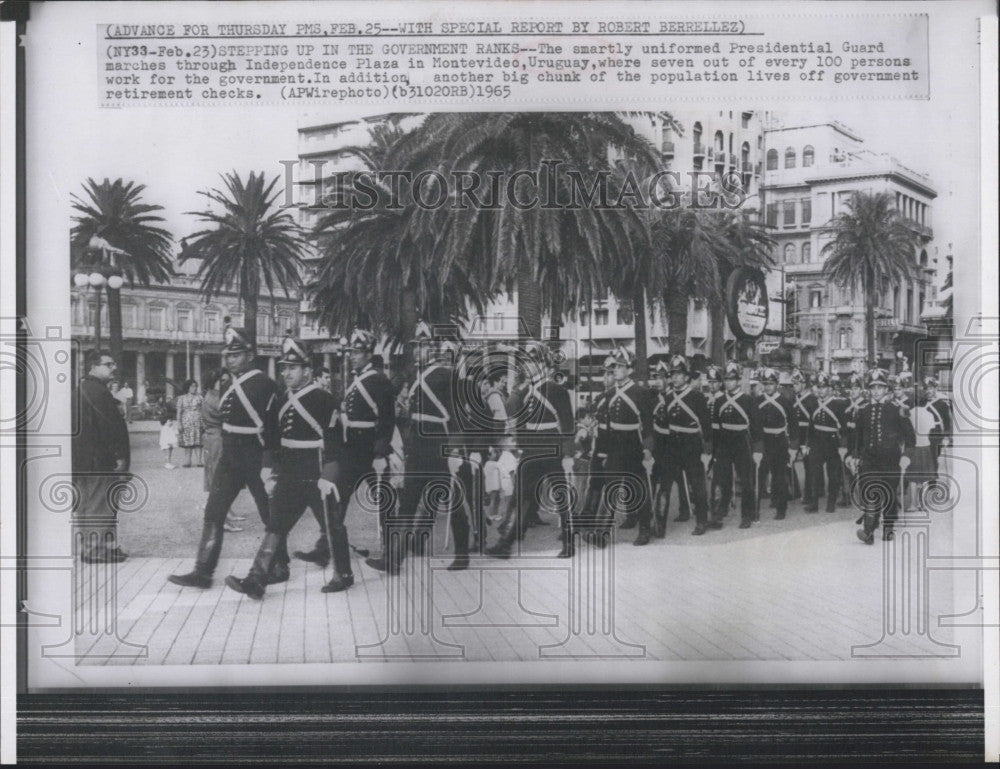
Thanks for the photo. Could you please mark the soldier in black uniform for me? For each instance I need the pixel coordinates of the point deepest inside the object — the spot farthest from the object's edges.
(713, 378)
(902, 389)
(940, 408)
(883, 433)
(825, 443)
(855, 400)
(593, 503)
(778, 427)
(737, 444)
(687, 440)
(431, 421)
(248, 414)
(630, 442)
(545, 421)
(804, 404)
(303, 474)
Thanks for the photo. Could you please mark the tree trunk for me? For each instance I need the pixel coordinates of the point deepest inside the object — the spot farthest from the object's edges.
(115, 341)
(99, 291)
(870, 326)
(717, 348)
(408, 317)
(639, 308)
(250, 318)
(529, 302)
(677, 321)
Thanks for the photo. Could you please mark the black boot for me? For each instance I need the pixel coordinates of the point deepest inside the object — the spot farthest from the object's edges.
(867, 532)
(502, 547)
(206, 560)
(255, 583)
(643, 538)
(340, 549)
(567, 550)
(319, 555)
(630, 522)
(460, 532)
(279, 565)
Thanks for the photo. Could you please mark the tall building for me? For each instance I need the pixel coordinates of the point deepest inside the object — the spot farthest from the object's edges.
(810, 172)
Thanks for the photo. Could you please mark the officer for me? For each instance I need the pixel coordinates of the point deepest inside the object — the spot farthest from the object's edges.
(543, 422)
(855, 400)
(630, 442)
(595, 487)
(661, 432)
(737, 445)
(779, 429)
(249, 431)
(803, 406)
(689, 428)
(883, 433)
(902, 392)
(940, 408)
(303, 474)
(824, 444)
(367, 421)
(431, 421)
(713, 379)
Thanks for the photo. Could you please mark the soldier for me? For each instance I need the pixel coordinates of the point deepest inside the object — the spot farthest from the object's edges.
(544, 421)
(713, 378)
(803, 407)
(855, 400)
(824, 444)
(248, 415)
(882, 434)
(902, 391)
(940, 408)
(687, 441)
(778, 427)
(737, 444)
(303, 475)
(595, 487)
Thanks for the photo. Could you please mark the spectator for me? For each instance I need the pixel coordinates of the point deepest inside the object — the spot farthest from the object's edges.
(325, 380)
(114, 388)
(125, 396)
(921, 469)
(189, 421)
(168, 431)
(101, 457)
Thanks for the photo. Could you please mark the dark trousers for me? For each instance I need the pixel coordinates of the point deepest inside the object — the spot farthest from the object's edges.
(239, 468)
(733, 451)
(683, 462)
(428, 479)
(775, 463)
(823, 454)
(878, 481)
(627, 462)
(95, 519)
(354, 469)
(535, 473)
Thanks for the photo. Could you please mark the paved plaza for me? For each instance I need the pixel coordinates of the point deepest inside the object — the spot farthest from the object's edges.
(799, 589)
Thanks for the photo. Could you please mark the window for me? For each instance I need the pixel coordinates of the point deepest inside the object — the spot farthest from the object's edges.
(923, 258)
(720, 145)
(128, 315)
(807, 251)
(156, 318)
(788, 218)
(183, 319)
(625, 315)
(845, 339)
(772, 160)
(263, 325)
(921, 299)
(584, 318)
(909, 305)
(816, 298)
(808, 156)
(789, 158)
(211, 322)
(600, 317)
(789, 253)
(807, 209)
(745, 119)
(772, 214)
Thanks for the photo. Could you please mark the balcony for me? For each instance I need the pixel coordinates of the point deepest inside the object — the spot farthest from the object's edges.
(747, 167)
(719, 157)
(732, 160)
(667, 148)
(757, 169)
(699, 150)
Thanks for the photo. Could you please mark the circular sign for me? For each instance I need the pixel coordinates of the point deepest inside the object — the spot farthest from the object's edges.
(747, 303)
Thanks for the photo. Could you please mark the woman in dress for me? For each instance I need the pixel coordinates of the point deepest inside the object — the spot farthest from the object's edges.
(189, 420)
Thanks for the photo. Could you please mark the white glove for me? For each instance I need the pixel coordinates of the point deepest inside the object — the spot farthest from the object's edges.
(379, 464)
(476, 458)
(842, 451)
(326, 488)
(567, 465)
(705, 459)
(904, 462)
(791, 456)
(946, 442)
(647, 462)
(757, 456)
(269, 479)
(454, 463)
(805, 451)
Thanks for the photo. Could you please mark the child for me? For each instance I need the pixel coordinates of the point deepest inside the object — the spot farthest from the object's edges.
(491, 486)
(506, 468)
(168, 433)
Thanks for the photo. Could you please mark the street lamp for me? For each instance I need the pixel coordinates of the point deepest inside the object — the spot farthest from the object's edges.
(107, 273)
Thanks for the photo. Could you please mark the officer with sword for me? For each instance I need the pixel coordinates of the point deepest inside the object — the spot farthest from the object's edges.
(303, 474)
(803, 406)
(855, 401)
(779, 429)
(825, 444)
(593, 506)
(737, 445)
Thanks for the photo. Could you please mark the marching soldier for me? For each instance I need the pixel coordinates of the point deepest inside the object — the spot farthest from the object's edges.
(629, 441)
(595, 485)
(779, 429)
(940, 408)
(661, 432)
(855, 400)
(304, 473)
(248, 433)
(824, 444)
(687, 441)
(902, 392)
(883, 433)
(737, 445)
(713, 377)
(545, 420)
(804, 405)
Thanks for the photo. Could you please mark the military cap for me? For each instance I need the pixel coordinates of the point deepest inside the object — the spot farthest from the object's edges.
(822, 380)
(361, 340)
(856, 381)
(609, 363)
(878, 376)
(930, 381)
(892, 380)
(769, 376)
(713, 374)
(734, 371)
(662, 369)
(538, 351)
(236, 340)
(294, 351)
(624, 358)
(422, 333)
(679, 365)
(798, 377)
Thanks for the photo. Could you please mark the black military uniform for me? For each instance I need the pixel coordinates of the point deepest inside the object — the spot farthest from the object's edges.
(630, 433)
(855, 401)
(940, 408)
(779, 427)
(804, 405)
(738, 438)
(688, 429)
(713, 375)
(545, 422)
(825, 441)
(883, 432)
(307, 436)
(593, 504)
(248, 413)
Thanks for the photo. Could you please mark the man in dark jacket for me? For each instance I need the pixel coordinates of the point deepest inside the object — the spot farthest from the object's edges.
(101, 458)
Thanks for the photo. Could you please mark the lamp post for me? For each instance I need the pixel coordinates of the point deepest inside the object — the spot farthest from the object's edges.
(104, 273)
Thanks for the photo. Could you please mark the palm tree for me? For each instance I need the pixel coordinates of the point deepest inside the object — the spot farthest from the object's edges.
(249, 244)
(115, 212)
(553, 257)
(873, 247)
